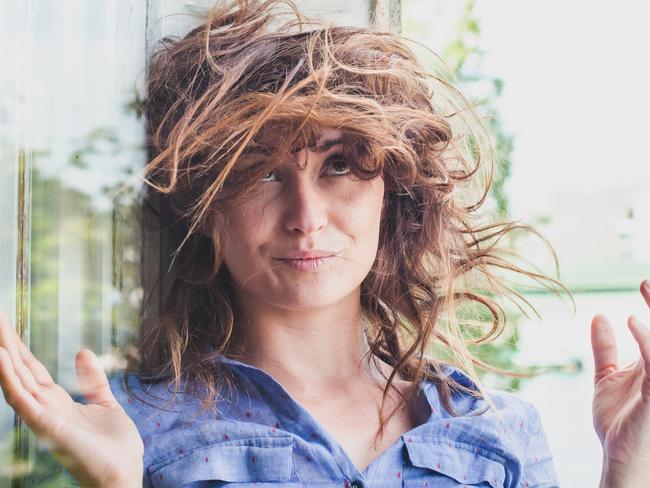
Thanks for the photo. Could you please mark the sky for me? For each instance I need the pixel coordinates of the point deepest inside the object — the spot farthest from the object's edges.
(576, 94)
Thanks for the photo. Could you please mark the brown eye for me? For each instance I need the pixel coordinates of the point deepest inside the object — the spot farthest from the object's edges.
(339, 165)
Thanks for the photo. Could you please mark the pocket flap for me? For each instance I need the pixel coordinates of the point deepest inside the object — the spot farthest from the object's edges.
(240, 460)
(464, 463)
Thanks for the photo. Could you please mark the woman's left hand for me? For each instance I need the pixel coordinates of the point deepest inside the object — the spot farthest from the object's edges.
(621, 404)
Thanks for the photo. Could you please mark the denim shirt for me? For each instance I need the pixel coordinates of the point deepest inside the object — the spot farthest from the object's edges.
(263, 437)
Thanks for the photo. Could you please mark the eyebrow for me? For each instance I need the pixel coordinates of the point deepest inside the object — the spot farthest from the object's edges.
(324, 146)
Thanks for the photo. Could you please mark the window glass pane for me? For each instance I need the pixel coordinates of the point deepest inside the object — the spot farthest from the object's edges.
(14, 194)
(69, 80)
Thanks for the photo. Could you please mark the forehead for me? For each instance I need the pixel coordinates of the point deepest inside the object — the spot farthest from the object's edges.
(327, 139)
(322, 141)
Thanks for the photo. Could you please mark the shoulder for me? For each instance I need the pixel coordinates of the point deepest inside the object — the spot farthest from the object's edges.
(507, 406)
(184, 442)
(129, 389)
(507, 431)
(143, 399)
(153, 407)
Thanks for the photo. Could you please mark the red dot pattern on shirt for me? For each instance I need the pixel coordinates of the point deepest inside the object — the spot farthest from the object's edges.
(314, 435)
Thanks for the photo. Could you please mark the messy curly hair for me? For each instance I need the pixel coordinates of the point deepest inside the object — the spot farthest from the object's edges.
(258, 77)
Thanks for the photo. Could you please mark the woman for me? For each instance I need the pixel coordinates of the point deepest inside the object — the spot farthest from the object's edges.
(319, 193)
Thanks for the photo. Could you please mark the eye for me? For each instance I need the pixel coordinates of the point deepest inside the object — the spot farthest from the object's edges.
(339, 164)
(270, 177)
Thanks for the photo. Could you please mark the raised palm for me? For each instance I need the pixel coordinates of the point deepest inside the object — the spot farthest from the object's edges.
(621, 405)
(97, 442)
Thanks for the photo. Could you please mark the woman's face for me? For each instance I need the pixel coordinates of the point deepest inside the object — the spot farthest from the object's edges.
(307, 237)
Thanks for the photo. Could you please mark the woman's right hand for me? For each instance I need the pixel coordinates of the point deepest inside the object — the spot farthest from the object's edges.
(97, 443)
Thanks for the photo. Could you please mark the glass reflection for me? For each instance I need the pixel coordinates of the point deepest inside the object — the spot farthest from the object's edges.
(72, 74)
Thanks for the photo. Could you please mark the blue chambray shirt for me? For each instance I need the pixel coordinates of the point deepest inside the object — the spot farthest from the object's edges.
(263, 437)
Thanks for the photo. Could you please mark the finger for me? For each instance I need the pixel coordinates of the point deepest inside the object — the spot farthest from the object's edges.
(645, 291)
(92, 379)
(39, 371)
(603, 344)
(9, 339)
(15, 394)
(642, 337)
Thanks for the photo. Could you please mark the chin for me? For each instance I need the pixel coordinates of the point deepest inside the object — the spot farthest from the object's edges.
(305, 300)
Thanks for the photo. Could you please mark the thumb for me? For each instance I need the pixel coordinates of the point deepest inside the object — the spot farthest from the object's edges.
(92, 379)
(603, 343)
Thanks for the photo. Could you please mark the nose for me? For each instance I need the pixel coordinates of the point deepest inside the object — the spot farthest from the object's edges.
(306, 205)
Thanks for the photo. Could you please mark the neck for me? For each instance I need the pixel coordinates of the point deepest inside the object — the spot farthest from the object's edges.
(308, 350)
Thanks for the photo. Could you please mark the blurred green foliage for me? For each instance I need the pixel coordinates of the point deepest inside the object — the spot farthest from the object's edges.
(462, 56)
(67, 222)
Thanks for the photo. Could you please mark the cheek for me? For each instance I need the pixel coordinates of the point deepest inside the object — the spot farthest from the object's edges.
(361, 214)
(242, 232)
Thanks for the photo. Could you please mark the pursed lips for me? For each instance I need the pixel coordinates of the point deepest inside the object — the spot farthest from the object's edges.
(307, 255)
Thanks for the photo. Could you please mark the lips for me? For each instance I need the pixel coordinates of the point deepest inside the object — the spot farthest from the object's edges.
(307, 265)
(307, 261)
(314, 254)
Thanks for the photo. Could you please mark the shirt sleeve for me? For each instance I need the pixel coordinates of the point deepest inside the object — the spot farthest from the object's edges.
(538, 469)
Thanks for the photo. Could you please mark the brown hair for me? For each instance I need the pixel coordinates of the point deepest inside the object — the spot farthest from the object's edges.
(235, 85)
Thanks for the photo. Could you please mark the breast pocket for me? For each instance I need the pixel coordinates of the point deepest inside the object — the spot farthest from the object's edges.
(254, 460)
(445, 463)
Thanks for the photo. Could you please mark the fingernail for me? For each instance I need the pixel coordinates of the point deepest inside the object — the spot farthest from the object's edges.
(646, 284)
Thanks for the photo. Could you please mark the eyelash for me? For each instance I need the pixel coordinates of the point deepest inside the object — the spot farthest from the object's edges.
(332, 158)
